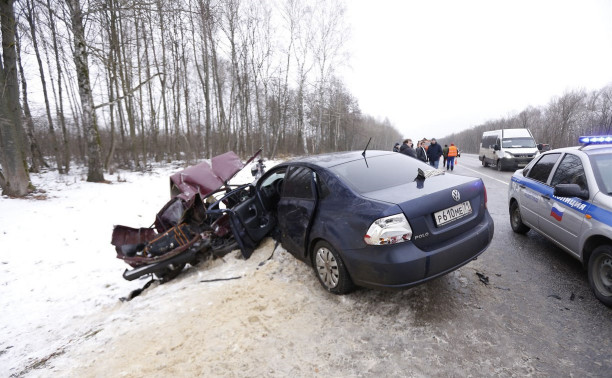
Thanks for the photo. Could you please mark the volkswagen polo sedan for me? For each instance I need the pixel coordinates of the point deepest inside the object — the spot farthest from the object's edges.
(376, 219)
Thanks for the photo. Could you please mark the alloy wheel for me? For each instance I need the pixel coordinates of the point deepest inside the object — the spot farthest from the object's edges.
(327, 267)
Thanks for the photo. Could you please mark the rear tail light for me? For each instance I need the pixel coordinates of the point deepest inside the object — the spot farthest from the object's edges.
(389, 230)
(485, 194)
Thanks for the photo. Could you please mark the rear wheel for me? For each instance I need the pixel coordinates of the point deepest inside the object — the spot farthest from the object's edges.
(600, 273)
(330, 269)
(484, 162)
(516, 222)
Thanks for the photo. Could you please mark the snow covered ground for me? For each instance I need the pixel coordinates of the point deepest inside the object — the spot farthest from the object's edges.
(57, 267)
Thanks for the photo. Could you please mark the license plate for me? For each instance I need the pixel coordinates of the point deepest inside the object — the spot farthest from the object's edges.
(452, 213)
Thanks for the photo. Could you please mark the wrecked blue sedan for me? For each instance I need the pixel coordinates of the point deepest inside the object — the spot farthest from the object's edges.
(376, 219)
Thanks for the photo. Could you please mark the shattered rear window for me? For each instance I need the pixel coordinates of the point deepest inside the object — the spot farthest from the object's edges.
(379, 172)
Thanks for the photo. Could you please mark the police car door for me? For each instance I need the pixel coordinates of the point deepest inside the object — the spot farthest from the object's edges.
(533, 189)
(561, 218)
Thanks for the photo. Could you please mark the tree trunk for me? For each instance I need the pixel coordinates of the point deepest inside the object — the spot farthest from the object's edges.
(153, 126)
(37, 158)
(164, 77)
(60, 98)
(94, 162)
(30, 17)
(143, 144)
(14, 179)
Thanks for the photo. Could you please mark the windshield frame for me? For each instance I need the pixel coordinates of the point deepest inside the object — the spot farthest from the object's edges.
(599, 163)
(506, 141)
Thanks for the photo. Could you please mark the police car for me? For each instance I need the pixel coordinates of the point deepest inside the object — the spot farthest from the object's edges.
(566, 195)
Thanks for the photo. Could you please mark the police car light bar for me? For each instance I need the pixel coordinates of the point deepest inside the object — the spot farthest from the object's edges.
(595, 139)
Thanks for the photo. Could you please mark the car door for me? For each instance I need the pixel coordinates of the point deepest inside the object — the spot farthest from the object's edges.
(562, 218)
(296, 209)
(250, 220)
(533, 189)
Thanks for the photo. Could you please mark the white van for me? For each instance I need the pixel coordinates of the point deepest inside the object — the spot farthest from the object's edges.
(507, 148)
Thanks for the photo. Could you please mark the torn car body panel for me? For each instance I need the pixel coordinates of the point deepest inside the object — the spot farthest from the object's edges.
(205, 178)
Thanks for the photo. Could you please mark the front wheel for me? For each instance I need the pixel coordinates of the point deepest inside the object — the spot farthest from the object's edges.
(499, 165)
(600, 273)
(330, 269)
(516, 222)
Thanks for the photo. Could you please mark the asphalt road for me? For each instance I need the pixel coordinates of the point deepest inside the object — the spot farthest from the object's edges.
(543, 292)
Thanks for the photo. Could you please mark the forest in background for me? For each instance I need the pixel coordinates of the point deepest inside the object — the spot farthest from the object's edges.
(122, 83)
(559, 123)
(117, 83)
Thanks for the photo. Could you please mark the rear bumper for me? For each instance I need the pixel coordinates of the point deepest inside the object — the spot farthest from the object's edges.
(403, 265)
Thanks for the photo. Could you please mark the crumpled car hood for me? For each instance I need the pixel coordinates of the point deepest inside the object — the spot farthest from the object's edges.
(205, 178)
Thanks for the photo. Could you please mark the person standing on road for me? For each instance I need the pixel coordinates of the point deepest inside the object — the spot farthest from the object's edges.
(444, 154)
(396, 147)
(421, 153)
(407, 149)
(450, 160)
(433, 153)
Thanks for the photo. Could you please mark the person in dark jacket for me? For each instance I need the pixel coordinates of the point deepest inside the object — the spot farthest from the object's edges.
(407, 149)
(433, 153)
(421, 152)
(444, 154)
(396, 147)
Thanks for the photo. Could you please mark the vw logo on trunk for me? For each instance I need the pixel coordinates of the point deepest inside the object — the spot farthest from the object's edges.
(456, 195)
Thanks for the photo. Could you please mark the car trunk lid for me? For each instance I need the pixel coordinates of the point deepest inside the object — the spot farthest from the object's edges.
(422, 199)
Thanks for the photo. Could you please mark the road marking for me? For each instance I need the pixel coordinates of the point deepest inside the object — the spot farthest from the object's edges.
(480, 173)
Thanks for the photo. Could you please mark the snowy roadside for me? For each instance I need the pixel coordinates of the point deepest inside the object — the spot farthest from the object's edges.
(57, 267)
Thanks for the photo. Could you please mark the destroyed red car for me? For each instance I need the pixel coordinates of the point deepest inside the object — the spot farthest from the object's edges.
(193, 225)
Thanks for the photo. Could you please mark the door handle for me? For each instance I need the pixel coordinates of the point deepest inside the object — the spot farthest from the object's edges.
(545, 196)
(522, 186)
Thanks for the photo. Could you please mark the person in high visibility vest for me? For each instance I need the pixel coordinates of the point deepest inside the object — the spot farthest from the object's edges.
(452, 154)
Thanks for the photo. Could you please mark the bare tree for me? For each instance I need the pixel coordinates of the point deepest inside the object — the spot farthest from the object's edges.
(328, 42)
(59, 105)
(564, 114)
(14, 179)
(94, 162)
(37, 157)
(30, 14)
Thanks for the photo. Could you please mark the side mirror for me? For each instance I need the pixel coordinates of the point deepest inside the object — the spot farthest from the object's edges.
(571, 190)
(496, 147)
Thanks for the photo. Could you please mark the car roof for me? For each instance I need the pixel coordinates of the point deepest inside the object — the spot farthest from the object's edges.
(591, 149)
(337, 158)
(596, 149)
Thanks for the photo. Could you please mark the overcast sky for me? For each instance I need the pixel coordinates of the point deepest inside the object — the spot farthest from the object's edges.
(438, 66)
